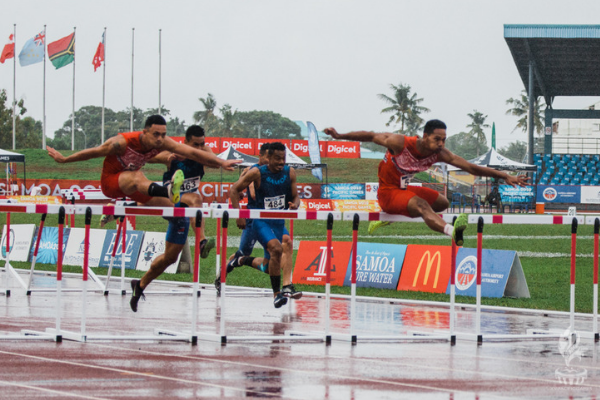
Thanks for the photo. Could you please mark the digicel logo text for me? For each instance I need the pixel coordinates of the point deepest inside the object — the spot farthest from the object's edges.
(237, 145)
(340, 149)
(300, 147)
(319, 206)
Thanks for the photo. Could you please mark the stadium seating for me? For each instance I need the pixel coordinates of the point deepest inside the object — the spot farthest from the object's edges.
(567, 169)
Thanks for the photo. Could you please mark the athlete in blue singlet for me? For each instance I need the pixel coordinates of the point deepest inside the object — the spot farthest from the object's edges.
(275, 189)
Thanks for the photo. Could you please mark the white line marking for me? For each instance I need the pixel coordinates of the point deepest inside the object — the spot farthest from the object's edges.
(60, 392)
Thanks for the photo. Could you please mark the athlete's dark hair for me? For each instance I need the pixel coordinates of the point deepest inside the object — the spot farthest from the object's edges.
(432, 125)
(194, 130)
(276, 146)
(154, 120)
(264, 148)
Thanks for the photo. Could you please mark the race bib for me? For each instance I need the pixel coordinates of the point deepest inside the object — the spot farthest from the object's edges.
(275, 203)
(405, 180)
(190, 185)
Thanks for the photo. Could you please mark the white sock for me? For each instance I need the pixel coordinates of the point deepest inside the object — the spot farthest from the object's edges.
(448, 230)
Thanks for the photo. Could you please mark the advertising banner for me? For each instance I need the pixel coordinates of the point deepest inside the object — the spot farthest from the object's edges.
(214, 143)
(309, 268)
(377, 265)
(300, 148)
(243, 145)
(501, 274)
(75, 247)
(316, 205)
(371, 189)
(590, 194)
(509, 193)
(52, 187)
(260, 142)
(558, 194)
(21, 236)
(48, 250)
(343, 191)
(426, 268)
(133, 243)
(356, 205)
(153, 246)
(343, 149)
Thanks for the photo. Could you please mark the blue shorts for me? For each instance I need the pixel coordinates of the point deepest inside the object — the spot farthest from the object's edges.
(248, 240)
(267, 230)
(177, 232)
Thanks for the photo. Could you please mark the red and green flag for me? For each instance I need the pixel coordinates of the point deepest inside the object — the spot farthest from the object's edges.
(62, 52)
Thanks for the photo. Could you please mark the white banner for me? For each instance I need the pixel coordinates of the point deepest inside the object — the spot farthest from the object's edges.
(74, 251)
(21, 237)
(153, 246)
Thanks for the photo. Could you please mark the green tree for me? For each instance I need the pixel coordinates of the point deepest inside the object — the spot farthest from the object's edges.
(271, 125)
(230, 124)
(519, 107)
(465, 145)
(477, 125)
(207, 117)
(28, 131)
(516, 151)
(405, 109)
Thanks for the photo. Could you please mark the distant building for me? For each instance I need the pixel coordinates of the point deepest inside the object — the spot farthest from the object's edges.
(576, 136)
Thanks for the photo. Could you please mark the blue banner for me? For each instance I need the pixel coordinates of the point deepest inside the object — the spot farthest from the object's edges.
(133, 243)
(378, 265)
(48, 250)
(516, 194)
(343, 191)
(558, 194)
(496, 266)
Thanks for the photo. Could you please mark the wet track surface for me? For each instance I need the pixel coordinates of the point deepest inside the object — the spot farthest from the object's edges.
(274, 368)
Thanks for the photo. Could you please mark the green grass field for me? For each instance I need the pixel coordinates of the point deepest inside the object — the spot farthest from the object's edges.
(544, 253)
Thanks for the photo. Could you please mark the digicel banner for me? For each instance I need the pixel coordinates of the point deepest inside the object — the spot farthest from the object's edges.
(311, 262)
(213, 142)
(343, 150)
(260, 142)
(300, 148)
(426, 269)
(316, 205)
(243, 145)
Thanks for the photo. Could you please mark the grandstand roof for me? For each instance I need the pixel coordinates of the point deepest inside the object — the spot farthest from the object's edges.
(565, 58)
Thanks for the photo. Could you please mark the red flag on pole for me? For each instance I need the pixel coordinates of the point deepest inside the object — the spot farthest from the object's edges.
(99, 56)
(8, 51)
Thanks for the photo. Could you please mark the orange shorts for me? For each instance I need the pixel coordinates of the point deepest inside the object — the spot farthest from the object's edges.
(109, 183)
(395, 201)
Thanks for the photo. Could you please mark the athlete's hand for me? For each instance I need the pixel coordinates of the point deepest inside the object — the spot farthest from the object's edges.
(175, 157)
(59, 158)
(332, 132)
(515, 181)
(229, 165)
(241, 223)
(292, 206)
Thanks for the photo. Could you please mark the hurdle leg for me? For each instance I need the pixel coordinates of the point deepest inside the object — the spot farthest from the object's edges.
(195, 293)
(452, 310)
(86, 255)
(573, 262)
(328, 280)
(61, 223)
(7, 263)
(123, 248)
(355, 223)
(479, 267)
(595, 316)
(33, 259)
(112, 257)
(225, 222)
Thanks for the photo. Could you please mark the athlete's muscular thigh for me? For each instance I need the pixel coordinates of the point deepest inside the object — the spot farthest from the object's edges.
(133, 181)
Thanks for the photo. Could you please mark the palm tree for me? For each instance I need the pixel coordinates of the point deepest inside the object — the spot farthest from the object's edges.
(520, 108)
(477, 125)
(230, 124)
(207, 117)
(404, 107)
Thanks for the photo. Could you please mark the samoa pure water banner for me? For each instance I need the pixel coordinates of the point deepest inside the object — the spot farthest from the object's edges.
(48, 250)
(558, 194)
(133, 243)
(501, 274)
(20, 241)
(378, 265)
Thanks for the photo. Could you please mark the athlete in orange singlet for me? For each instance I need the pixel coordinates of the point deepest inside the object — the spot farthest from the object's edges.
(405, 157)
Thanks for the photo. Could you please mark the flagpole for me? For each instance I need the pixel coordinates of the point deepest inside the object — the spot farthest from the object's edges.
(44, 94)
(73, 116)
(103, 82)
(159, 70)
(14, 114)
(131, 113)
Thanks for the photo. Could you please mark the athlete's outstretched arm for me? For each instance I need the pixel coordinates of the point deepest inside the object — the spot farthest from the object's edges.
(295, 203)
(448, 157)
(114, 145)
(203, 157)
(392, 141)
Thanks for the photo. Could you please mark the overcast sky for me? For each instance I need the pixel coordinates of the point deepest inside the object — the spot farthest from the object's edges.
(323, 61)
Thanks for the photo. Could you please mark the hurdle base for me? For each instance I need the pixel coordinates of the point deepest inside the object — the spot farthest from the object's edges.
(30, 335)
(78, 337)
(420, 337)
(224, 339)
(558, 333)
(531, 335)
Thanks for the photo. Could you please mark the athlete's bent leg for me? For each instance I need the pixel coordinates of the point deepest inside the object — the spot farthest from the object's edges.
(161, 263)
(440, 204)
(417, 207)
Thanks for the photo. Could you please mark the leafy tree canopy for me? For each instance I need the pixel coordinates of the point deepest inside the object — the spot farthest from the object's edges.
(28, 131)
(465, 145)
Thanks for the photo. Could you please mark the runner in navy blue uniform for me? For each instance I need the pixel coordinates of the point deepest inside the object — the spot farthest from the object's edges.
(275, 189)
(248, 239)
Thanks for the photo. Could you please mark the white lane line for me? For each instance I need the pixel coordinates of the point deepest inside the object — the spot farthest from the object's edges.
(60, 392)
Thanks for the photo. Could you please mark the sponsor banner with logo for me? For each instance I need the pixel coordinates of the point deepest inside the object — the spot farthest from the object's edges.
(316, 205)
(153, 246)
(300, 148)
(21, 236)
(74, 252)
(343, 149)
(260, 142)
(426, 269)
(309, 268)
(371, 189)
(590, 194)
(214, 143)
(508, 193)
(243, 145)
(377, 265)
(343, 191)
(558, 194)
(501, 274)
(48, 250)
(52, 187)
(133, 243)
(31, 199)
(356, 205)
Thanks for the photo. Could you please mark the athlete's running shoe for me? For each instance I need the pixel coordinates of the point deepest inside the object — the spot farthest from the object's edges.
(138, 293)
(280, 300)
(291, 292)
(374, 225)
(459, 227)
(175, 186)
(206, 246)
(234, 263)
(105, 219)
